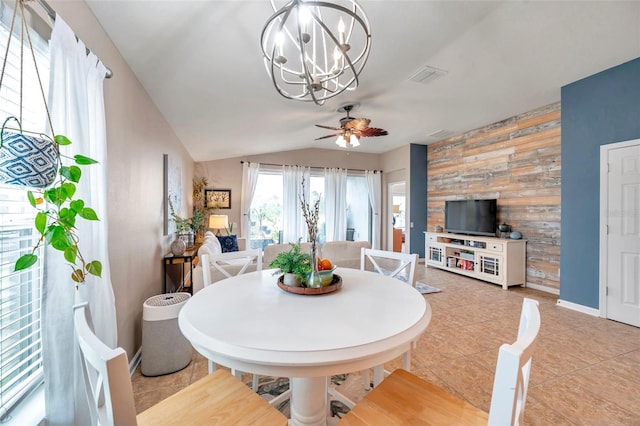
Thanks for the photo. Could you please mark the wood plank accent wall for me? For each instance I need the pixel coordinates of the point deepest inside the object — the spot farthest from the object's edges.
(516, 161)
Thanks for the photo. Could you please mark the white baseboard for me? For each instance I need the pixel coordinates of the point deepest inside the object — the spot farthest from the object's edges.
(135, 361)
(579, 308)
(544, 288)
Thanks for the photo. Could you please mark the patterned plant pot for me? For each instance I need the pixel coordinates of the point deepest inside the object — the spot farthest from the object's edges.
(25, 160)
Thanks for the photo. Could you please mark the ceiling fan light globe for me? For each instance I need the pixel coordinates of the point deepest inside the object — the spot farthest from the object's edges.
(353, 140)
(341, 142)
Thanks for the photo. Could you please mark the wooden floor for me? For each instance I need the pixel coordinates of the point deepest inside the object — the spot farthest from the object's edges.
(586, 370)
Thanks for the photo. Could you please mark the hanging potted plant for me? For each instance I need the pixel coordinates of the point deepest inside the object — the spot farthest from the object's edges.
(58, 210)
(33, 160)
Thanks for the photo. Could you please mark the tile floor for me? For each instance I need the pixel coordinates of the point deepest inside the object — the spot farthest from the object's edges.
(586, 370)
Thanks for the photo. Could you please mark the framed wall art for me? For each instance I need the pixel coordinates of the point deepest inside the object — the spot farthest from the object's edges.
(217, 198)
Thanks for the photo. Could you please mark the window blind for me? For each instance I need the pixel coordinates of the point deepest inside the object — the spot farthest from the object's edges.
(20, 292)
(20, 337)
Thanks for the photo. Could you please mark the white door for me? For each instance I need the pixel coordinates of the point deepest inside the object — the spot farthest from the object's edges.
(622, 232)
(396, 208)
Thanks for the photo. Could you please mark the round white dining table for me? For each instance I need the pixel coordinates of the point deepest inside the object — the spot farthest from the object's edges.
(248, 323)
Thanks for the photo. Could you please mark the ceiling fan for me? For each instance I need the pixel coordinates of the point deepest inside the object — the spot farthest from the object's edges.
(352, 129)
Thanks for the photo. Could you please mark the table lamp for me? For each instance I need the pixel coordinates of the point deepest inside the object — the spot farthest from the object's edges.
(218, 222)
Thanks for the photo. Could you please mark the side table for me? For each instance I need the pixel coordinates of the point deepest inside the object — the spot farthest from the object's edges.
(187, 257)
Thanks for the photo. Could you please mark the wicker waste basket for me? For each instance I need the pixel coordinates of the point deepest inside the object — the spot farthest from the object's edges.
(164, 349)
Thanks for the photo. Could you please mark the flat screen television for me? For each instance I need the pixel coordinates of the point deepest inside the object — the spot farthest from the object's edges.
(472, 217)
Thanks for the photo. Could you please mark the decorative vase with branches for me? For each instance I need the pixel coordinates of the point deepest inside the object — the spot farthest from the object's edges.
(311, 215)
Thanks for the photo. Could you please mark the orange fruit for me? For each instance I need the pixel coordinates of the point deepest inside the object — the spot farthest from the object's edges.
(326, 264)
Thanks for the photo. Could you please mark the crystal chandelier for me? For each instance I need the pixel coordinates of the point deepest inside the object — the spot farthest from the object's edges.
(314, 50)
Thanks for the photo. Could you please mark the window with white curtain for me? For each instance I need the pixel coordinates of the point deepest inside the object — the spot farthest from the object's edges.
(266, 210)
(20, 337)
(358, 209)
(266, 207)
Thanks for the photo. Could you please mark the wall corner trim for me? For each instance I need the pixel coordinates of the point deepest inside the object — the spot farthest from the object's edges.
(135, 361)
(579, 308)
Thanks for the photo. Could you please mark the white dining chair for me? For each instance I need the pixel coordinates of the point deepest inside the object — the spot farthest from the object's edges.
(404, 398)
(236, 263)
(218, 398)
(393, 264)
(401, 266)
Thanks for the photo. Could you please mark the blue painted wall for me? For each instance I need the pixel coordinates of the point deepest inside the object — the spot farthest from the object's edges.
(418, 197)
(598, 110)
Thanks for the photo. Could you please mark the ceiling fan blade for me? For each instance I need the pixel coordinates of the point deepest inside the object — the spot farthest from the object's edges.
(328, 127)
(373, 131)
(328, 136)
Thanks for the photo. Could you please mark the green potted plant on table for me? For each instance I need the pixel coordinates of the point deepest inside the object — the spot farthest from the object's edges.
(294, 265)
(184, 232)
(198, 223)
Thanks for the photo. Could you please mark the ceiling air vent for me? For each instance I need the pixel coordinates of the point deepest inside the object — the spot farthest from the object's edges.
(427, 74)
(439, 135)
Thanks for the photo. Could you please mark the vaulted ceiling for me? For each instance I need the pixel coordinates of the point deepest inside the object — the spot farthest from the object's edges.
(201, 63)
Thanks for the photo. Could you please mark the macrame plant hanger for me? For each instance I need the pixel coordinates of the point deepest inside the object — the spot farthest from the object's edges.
(29, 159)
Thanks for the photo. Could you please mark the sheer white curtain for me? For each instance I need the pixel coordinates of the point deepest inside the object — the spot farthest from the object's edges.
(335, 204)
(77, 109)
(374, 184)
(250, 173)
(294, 226)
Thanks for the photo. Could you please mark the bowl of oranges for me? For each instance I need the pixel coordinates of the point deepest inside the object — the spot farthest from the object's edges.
(325, 270)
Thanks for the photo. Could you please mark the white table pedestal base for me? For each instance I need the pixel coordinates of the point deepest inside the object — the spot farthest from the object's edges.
(308, 401)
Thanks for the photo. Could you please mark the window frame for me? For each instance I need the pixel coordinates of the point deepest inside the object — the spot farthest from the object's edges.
(314, 174)
(20, 323)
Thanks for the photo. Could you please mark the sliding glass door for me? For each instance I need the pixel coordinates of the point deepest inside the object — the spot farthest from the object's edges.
(266, 208)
